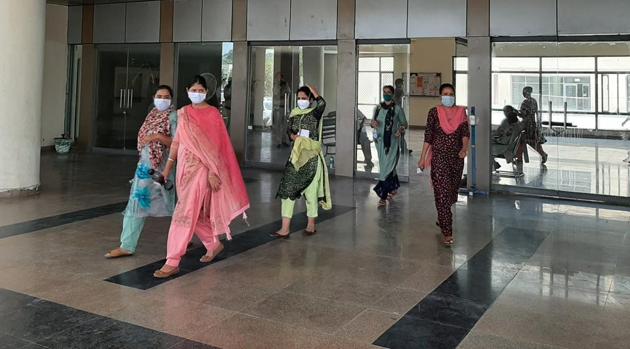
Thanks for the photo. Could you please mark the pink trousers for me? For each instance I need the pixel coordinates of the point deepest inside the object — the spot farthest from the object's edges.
(179, 237)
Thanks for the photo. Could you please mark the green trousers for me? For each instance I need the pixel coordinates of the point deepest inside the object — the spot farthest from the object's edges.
(311, 194)
(132, 227)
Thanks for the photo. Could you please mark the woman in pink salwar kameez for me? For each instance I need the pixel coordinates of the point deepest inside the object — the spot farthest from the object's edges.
(210, 187)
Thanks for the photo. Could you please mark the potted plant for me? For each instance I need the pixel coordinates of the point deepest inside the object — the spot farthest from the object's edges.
(63, 144)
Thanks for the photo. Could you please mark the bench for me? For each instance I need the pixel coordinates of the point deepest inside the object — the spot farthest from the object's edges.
(329, 130)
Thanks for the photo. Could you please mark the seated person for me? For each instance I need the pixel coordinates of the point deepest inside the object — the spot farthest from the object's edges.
(505, 136)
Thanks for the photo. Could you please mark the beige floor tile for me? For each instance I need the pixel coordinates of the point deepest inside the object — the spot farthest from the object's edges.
(368, 326)
(317, 314)
(243, 331)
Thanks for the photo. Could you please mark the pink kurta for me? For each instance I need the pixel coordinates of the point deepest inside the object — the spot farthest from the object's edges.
(204, 148)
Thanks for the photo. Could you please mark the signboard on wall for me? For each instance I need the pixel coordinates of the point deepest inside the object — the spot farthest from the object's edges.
(424, 84)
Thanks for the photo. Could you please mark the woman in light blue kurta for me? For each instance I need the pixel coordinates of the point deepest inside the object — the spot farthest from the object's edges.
(148, 198)
(390, 123)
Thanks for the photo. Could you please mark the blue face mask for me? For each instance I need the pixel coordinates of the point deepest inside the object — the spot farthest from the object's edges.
(448, 101)
(387, 98)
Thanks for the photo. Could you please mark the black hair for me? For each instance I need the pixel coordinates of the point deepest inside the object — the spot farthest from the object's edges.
(198, 79)
(528, 88)
(389, 87)
(306, 91)
(445, 86)
(164, 87)
(510, 113)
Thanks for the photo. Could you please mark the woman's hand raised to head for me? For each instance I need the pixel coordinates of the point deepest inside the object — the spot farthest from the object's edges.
(313, 91)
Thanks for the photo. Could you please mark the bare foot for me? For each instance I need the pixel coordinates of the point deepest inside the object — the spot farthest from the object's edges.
(209, 257)
(117, 253)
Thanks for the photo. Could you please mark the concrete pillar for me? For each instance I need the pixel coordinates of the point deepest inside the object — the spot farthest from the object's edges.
(480, 86)
(346, 107)
(22, 33)
(240, 86)
(346, 89)
(240, 73)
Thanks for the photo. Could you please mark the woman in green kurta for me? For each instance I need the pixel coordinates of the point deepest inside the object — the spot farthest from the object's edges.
(390, 123)
(305, 172)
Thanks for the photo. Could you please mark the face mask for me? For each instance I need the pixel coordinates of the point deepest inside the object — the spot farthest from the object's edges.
(161, 104)
(387, 98)
(448, 101)
(303, 103)
(196, 97)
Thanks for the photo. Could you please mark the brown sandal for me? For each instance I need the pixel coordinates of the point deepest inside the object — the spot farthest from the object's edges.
(161, 274)
(208, 258)
(117, 253)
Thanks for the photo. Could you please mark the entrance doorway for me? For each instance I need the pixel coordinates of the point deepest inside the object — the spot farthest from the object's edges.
(277, 72)
(126, 78)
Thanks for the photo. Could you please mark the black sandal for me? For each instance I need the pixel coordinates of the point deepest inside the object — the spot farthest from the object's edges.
(279, 236)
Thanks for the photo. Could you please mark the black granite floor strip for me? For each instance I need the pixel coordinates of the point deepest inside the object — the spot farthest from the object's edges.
(29, 322)
(142, 278)
(444, 317)
(64, 218)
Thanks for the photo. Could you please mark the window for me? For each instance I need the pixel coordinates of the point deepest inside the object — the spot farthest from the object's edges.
(374, 73)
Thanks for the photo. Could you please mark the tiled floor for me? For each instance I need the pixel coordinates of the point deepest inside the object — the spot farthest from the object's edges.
(524, 273)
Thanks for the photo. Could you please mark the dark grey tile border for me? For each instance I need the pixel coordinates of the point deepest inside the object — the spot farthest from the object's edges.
(445, 316)
(29, 322)
(142, 278)
(61, 219)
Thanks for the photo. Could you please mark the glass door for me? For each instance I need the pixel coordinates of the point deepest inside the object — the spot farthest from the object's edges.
(277, 72)
(378, 66)
(580, 90)
(127, 77)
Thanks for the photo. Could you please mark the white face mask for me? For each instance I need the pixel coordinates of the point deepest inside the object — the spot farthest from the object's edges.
(448, 101)
(196, 97)
(161, 104)
(303, 103)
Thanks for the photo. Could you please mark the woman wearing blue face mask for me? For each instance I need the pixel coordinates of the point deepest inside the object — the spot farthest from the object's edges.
(305, 173)
(390, 123)
(445, 148)
(147, 198)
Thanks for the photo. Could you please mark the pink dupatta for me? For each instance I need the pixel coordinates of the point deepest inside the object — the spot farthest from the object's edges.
(203, 133)
(450, 120)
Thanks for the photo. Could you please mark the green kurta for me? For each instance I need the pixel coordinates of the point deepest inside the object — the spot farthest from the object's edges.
(294, 182)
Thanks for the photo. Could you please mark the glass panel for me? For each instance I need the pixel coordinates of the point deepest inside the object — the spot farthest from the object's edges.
(613, 64)
(568, 64)
(211, 60)
(143, 79)
(387, 64)
(111, 96)
(277, 72)
(369, 64)
(584, 112)
(71, 128)
(461, 64)
(516, 64)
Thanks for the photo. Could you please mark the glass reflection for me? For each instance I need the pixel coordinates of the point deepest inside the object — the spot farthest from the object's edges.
(583, 95)
(276, 74)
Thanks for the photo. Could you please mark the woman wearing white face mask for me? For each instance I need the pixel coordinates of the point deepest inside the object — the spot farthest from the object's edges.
(210, 188)
(305, 173)
(445, 148)
(147, 198)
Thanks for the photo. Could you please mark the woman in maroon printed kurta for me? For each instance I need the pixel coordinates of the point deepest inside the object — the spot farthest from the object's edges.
(445, 148)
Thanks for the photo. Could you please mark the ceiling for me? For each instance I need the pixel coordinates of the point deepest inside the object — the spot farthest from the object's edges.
(88, 2)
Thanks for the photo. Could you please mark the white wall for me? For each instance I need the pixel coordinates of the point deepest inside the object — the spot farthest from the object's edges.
(55, 73)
